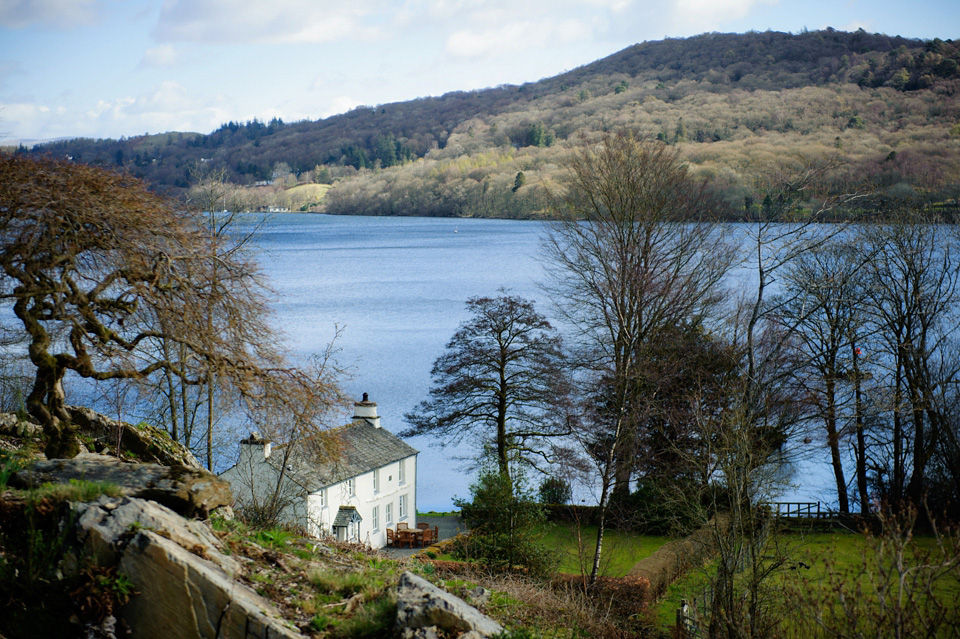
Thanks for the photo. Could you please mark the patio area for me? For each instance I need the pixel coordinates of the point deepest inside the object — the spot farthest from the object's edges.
(446, 528)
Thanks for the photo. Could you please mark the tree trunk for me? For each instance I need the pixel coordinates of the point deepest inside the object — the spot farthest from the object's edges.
(861, 451)
(915, 487)
(833, 441)
(503, 457)
(210, 421)
(899, 470)
(598, 548)
(46, 404)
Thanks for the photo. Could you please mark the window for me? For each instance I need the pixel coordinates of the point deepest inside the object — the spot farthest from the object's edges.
(351, 487)
(402, 475)
(323, 497)
(376, 480)
(389, 513)
(403, 507)
(376, 518)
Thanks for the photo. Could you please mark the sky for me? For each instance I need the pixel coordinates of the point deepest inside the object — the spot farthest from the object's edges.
(112, 68)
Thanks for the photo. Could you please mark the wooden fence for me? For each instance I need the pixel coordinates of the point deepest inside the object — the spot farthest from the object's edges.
(799, 510)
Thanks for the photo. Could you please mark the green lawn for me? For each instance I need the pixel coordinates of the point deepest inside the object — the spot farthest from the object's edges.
(619, 554)
(812, 559)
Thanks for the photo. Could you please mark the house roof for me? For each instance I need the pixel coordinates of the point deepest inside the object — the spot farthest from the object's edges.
(364, 447)
(346, 515)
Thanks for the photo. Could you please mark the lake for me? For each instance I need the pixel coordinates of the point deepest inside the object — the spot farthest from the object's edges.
(396, 288)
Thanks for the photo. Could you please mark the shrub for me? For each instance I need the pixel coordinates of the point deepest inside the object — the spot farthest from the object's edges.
(554, 490)
(504, 520)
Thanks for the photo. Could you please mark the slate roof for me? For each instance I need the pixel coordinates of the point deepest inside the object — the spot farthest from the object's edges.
(364, 447)
(346, 515)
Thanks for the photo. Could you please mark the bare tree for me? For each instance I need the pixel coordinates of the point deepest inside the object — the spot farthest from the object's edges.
(750, 442)
(825, 302)
(193, 410)
(500, 380)
(101, 273)
(635, 251)
(914, 292)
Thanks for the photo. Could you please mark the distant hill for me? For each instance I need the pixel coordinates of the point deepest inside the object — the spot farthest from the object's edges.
(737, 104)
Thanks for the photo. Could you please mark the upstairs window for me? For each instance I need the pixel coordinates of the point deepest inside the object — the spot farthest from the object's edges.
(376, 480)
(402, 475)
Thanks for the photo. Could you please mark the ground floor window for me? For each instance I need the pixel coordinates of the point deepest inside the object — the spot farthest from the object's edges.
(403, 507)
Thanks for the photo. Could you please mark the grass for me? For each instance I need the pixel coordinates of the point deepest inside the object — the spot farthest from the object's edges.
(814, 549)
(817, 561)
(75, 490)
(621, 550)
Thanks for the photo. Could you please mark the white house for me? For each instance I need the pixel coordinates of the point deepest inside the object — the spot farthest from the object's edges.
(369, 487)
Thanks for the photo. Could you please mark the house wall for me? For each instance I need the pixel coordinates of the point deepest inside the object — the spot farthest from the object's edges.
(253, 482)
(365, 500)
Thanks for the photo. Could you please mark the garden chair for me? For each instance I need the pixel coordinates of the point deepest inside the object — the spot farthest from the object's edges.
(429, 537)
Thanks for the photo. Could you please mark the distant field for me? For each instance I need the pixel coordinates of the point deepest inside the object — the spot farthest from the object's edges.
(309, 191)
(305, 196)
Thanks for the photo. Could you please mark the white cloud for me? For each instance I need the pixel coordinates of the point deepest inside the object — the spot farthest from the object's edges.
(851, 26)
(512, 38)
(164, 55)
(168, 107)
(709, 15)
(247, 22)
(63, 14)
(339, 104)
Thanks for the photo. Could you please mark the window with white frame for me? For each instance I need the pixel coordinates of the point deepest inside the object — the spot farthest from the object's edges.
(402, 475)
(351, 487)
(376, 480)
(389, 513)
(376, 518)
(323, 497)
(403, 507)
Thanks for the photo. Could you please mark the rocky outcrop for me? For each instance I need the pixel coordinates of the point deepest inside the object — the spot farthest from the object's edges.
(101, 434)
(424, 611)
(189, 491)
(184, 583)
(102, 525)
(12, 426)
(183, 595)
(144, 442)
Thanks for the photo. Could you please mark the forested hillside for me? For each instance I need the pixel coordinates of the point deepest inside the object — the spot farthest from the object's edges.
(884, 110)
